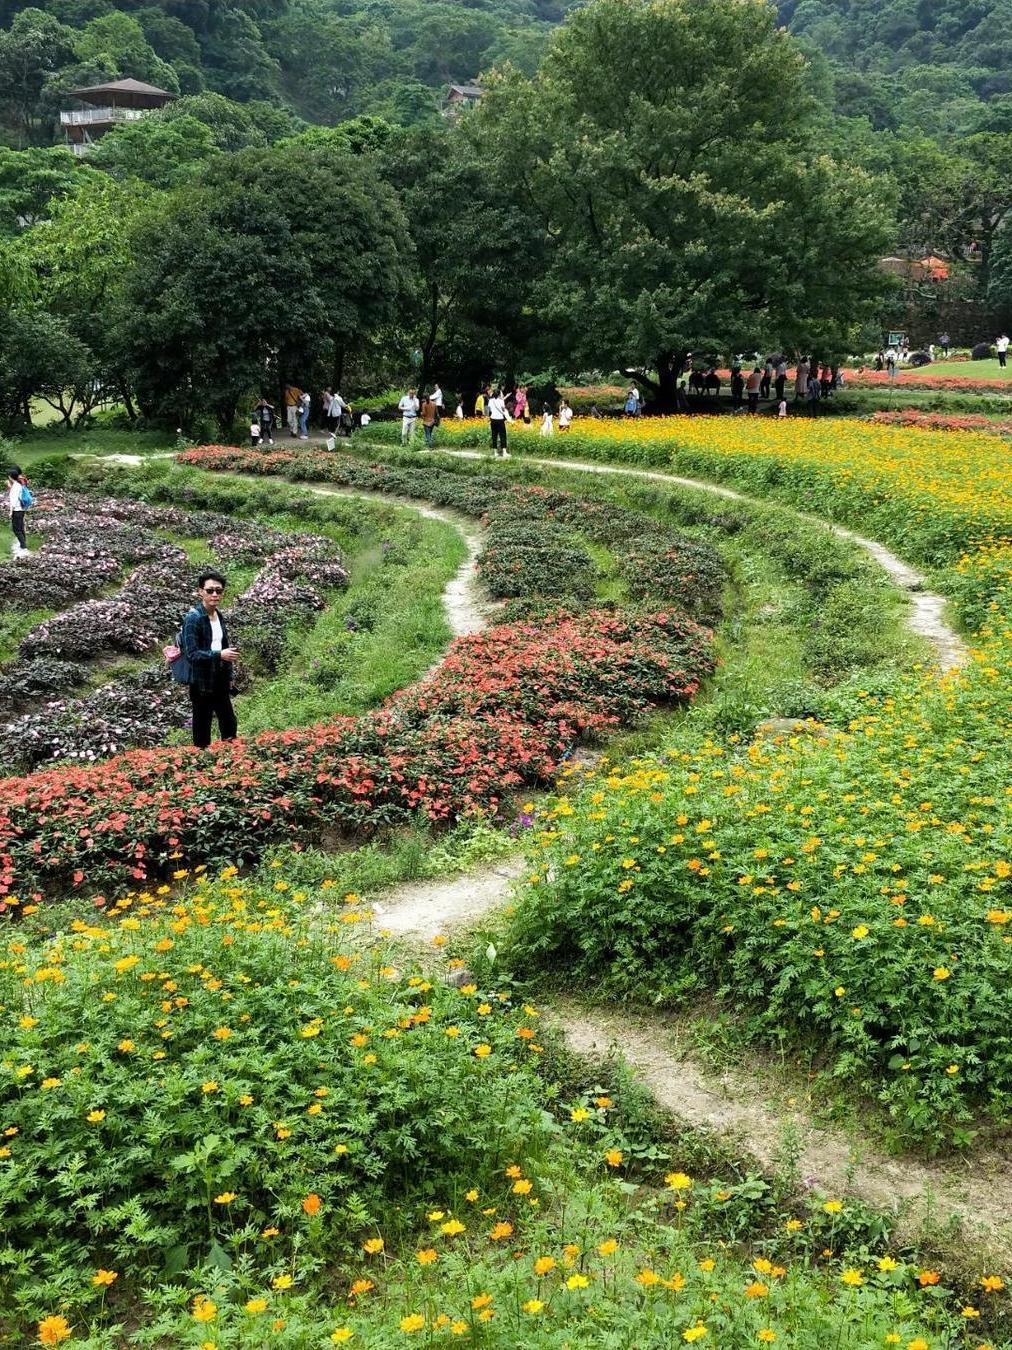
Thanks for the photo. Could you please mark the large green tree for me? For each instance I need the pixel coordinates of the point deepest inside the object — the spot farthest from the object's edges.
(348, 227)
(479, 254)
(217, 286)
(78, 262)
(668, 149)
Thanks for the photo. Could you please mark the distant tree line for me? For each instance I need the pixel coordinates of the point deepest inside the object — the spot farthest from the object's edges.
(667, 181)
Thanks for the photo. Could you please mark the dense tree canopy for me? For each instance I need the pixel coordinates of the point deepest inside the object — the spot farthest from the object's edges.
(666, 152)
(650, 178)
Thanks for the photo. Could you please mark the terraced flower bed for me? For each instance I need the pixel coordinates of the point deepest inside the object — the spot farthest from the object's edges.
(349, 1150)
(852, 892)
(500, 712)
(86, 544)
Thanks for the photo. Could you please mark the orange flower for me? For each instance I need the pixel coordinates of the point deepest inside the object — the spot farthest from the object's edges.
(53, 1330)
(312, 1204)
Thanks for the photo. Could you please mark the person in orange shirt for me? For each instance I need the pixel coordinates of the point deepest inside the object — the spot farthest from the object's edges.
(293, 398)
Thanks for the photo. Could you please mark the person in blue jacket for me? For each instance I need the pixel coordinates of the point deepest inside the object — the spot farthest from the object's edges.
(212, 658)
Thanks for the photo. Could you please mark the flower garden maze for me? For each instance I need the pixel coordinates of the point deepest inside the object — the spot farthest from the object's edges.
(355, 1150)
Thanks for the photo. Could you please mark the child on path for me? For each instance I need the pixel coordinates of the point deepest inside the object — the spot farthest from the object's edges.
(782, 408)
(254, 434)
(548, 422)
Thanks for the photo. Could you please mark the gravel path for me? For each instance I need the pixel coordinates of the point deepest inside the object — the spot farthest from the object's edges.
(927, 616)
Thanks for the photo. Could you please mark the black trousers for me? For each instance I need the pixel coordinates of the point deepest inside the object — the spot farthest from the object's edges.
(498, 433)
(18, 526)
(1001, 359)
(781, 381)
(208, 706)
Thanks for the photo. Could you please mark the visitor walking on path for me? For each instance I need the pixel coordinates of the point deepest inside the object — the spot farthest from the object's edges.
(1001, 347)
(293, 395)
(264, 414)
(498, 416)
(767, 379)
(304, 405)
(944, 341)
(547, 422)
(781, 381)
(801, 380)
(437, 399)
(18, 501)
(408, 408)
(211, 657)
(429, 418)
(521, 408)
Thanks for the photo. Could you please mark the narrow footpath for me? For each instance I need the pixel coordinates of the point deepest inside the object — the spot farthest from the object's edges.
(927, 617)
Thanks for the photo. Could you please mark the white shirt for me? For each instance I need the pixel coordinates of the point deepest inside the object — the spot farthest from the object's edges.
(437, 397)
(364, 420)
(565, 416)
(1002, 344)
(337, 405)
(460, 411)
(215, 632)
(408, 406)
(497, 410)
(14, 498)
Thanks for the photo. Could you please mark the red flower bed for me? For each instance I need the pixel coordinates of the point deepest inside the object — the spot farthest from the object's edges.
(500, 711)
(924, 378)
(909, 417)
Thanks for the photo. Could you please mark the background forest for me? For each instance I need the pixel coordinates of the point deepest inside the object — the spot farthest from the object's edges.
(312, 131)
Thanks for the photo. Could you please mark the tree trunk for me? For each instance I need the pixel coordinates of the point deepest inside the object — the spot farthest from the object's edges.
(669, 370)
(338, 368)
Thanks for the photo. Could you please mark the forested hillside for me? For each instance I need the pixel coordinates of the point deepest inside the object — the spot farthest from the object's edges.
(930, 64)
(326, 60)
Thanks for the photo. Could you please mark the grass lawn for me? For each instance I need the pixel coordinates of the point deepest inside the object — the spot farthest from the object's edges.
(983, 370)
(45, 442)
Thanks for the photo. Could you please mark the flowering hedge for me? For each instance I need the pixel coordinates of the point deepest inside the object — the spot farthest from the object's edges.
(501, 711)
(658, 563)
(929, 421)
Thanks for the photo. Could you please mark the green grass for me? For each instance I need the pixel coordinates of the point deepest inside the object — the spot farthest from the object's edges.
(983, 370)
(52, 441)
(395, 598)
(15, 625)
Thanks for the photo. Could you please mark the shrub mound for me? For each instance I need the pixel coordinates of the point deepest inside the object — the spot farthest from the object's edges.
(228, 1123)
(501, 710)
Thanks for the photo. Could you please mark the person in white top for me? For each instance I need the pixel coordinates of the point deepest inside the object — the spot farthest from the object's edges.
(1001, 347)
(548, 422)
(498, 416)
(437, 398)
(565, 415)
(408, 408)
(459, 414)
(16, 508)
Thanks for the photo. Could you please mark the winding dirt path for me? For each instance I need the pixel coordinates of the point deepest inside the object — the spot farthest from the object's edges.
(466, 609)
(927, 615)
(745, 1109)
